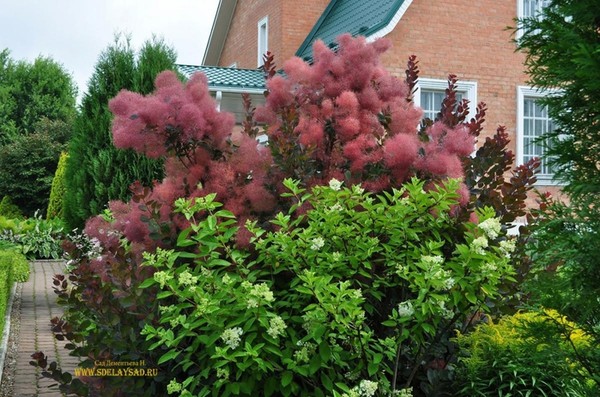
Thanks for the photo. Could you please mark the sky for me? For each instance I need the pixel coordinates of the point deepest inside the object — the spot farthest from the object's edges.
(75, 32)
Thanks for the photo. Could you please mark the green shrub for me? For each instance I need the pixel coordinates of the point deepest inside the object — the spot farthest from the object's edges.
(9, 209)
(13, 268)
(57, 191)
(525, 354)
(354, 295)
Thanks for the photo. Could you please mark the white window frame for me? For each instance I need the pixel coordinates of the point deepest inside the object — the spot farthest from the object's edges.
(467, 88)
(262, 39)
(525, 92)
(521, 11)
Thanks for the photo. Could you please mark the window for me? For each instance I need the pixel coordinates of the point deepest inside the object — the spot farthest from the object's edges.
(263, 39)
(531, 8)
(430, 94)
(532, 123)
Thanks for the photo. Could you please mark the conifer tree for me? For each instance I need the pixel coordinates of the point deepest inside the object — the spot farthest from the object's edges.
(562, 46)
(97, 172)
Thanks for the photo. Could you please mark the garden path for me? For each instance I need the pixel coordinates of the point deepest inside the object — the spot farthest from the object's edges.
(37, 306)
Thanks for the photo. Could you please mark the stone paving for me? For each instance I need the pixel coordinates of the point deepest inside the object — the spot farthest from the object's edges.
(38, 306)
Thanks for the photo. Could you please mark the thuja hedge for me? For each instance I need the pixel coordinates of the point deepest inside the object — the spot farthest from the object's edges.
(363, 306)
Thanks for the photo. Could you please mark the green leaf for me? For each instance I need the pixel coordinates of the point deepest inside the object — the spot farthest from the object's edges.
(147, 283)
(325, 352)
(327, 383)
(170, 355)
(286, 378)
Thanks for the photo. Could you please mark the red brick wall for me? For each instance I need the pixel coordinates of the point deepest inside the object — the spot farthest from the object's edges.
(464, 37)
(289, 23)
(469, 39)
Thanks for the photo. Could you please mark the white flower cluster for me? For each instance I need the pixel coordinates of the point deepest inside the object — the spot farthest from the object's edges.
(365, 388)
(433, 265)
(305, 353)
(186, 278)
(258, 293)
(162, 278)
(479, 245)
(491, 227)
(488, 268)
(406, 309)
(232, 337)
(507, 247)
(444, 311)
(276, 327)
(317, 243)
(334, 184)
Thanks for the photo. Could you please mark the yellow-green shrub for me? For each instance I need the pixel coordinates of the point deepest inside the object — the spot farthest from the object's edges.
(529, 353)
(57, 192)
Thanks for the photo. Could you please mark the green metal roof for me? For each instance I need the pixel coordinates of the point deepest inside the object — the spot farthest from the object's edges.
(357, 17)
(228, 79)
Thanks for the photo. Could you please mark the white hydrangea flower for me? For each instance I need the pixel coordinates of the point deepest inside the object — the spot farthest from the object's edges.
(162, 278)
(336, 208)
(479, 245)
(488, 268)
(232, 337)
(336, 256)
(367, 388)
(445, 312)
(491, 227)
(276, 327)
(317, 243)
(507, 247)
(358, 189)
(257, 293)
(334, 184)
(432, 260)
(186, 278)
(449, 283)
(406, 309)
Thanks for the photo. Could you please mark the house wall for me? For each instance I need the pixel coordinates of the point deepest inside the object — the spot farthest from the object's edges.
(469, 39)
(463, 37)
(289, 24)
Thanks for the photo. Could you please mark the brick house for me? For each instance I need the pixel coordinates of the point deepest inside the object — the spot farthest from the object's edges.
(462, 37)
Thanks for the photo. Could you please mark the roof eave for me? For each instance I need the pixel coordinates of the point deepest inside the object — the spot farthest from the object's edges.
(218, 32)
(237, 90)
(308, 41)
(385, 29)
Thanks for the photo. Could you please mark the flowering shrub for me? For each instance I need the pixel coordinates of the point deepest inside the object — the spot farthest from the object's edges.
(341, 291)
(349, 299)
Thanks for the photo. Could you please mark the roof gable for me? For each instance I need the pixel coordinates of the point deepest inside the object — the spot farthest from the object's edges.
(218, 32)
(372, 19)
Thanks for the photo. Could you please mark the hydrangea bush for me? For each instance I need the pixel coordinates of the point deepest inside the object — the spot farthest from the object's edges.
(357, 297)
